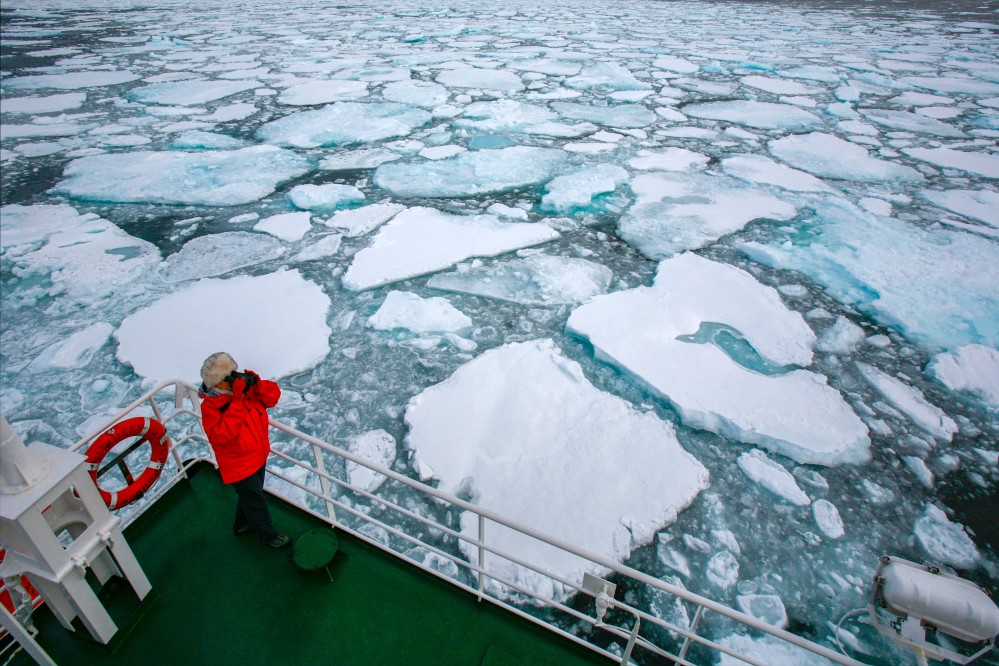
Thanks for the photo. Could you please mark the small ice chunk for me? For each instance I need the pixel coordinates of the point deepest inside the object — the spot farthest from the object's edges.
(406, 310)
(423, 240)
(760, 115)
(766, 607)
(944, 541)
(972, 368)
(275, 324)
(212, 178)
(579, 191)
(842, 338)
(829, 156)
(359, 221)
(910, 401)
(877, 493)
(377, 447)
(875, 206)
(327, 246)
(673, 559)
(828, 519)
(723, 570)
(327, 197)
(771, 475)
(289, 227)
(918, 467)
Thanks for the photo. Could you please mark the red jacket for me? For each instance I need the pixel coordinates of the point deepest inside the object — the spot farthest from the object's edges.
(237, 429)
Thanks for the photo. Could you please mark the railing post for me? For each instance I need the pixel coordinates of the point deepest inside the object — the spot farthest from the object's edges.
(626, 658)
(693, 629)
(324, 483)
(482, 554)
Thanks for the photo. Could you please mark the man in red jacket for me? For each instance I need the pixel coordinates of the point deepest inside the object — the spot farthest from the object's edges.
(234, 414)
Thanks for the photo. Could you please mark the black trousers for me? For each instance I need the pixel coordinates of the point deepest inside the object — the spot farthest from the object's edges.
(251, 506)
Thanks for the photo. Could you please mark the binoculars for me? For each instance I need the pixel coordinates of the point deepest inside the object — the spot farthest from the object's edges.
(248, 377)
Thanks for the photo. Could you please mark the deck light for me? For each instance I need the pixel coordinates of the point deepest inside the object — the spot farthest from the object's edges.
(908, 600)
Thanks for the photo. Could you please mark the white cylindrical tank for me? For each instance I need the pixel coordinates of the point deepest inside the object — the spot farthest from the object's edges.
(954, 606)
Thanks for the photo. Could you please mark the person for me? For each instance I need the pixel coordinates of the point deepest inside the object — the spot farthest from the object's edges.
(234, 414)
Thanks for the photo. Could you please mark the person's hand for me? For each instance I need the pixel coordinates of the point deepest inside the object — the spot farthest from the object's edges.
(238, 389)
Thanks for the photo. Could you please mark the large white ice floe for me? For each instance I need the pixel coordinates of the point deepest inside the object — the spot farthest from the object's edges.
(763, 170)
(912, 122)
(615, 115)
(45, 104)
(343, 123)
(829, 156)
(274, 324)
(910, 401)
(477, 77)
(423, 240)
(580, 190)
(936, 286)
(84, 257)
(539, 279)
(217, 254)
(537, 418)
(759, 115)
(75, 351)
(473, 173)
(973, 161)
(314, 93)
(795, 413)
(406, 310)
(973, 368)
(71, 81)
(189, 93)
(213, 178)
(606, 75)
(977, 204)
(507, 115)
(416, 93)
(687, 211)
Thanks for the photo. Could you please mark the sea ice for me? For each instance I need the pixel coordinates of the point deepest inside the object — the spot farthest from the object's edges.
(936, 286)
(343, 123)
(189, 93)
(539, 279)
(289, 227)
(359, 221)
(406, 310)
(581, 190)
(84, 256)
(763, 170)
(72, 81)
(326, 197)
(212, 178)
(796, 413)
(669, 159)
(472, 173)
(771, 475)
(217, 254)
(507, 115)
(972, 368)
(972, 161)
(606, 75)
(314, 93)
(767, 650)
(476, 77)
(842, 338)
(760, 115)
(357, 158)
(423, 240)
(829, 156)
(677, 212)
(766, 607)
(779, 86)
(944, 541)
(911, 402)
(200, 140)
(416, 93)
(828, 519)
(523, 395)
(49, 104)
(321, 248)
(75, 351)
(377, 447)
(911, 122)
(274, 324)
(977, 204)
(614, 115)
(723, 570)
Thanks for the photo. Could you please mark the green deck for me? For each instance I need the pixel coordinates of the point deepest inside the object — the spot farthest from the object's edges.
(221, 599)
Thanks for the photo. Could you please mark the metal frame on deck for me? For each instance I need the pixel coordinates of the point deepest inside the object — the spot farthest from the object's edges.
(187, 403)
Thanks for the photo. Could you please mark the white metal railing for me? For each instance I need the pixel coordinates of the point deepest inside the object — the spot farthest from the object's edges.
(334, 508)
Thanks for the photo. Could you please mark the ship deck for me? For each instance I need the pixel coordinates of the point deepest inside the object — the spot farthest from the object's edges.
(222, 599)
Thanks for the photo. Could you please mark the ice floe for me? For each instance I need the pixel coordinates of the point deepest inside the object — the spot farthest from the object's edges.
(327, 197)
(579, 191)
(539, 279)
(288, 227)
(759, 115)
(829, 156)
(977, 204)
(377, 447)
(75, 351)
(314, 93)
(189, 93)
(763, 170)
(213, 178)
(472, 173)
(406, 310)
(795, 413)
(972, 368)
(46, 104)
(424, 240)
(72, 81)
(828, 519)
(944, 541)
(359, 221)
(343, 123)
(973, 161)
(911, 402)
(771, 475)
(274, 324)
(524, 394)
(217, 254)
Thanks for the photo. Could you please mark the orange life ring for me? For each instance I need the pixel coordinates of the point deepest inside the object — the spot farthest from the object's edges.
(149, 430)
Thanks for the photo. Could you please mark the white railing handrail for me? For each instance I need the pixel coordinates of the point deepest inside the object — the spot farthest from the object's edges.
(184, 390)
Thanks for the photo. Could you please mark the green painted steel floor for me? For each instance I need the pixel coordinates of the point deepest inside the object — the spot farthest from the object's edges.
(220, 599)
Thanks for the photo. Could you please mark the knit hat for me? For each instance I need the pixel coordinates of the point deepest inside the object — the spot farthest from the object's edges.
(216, 368)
